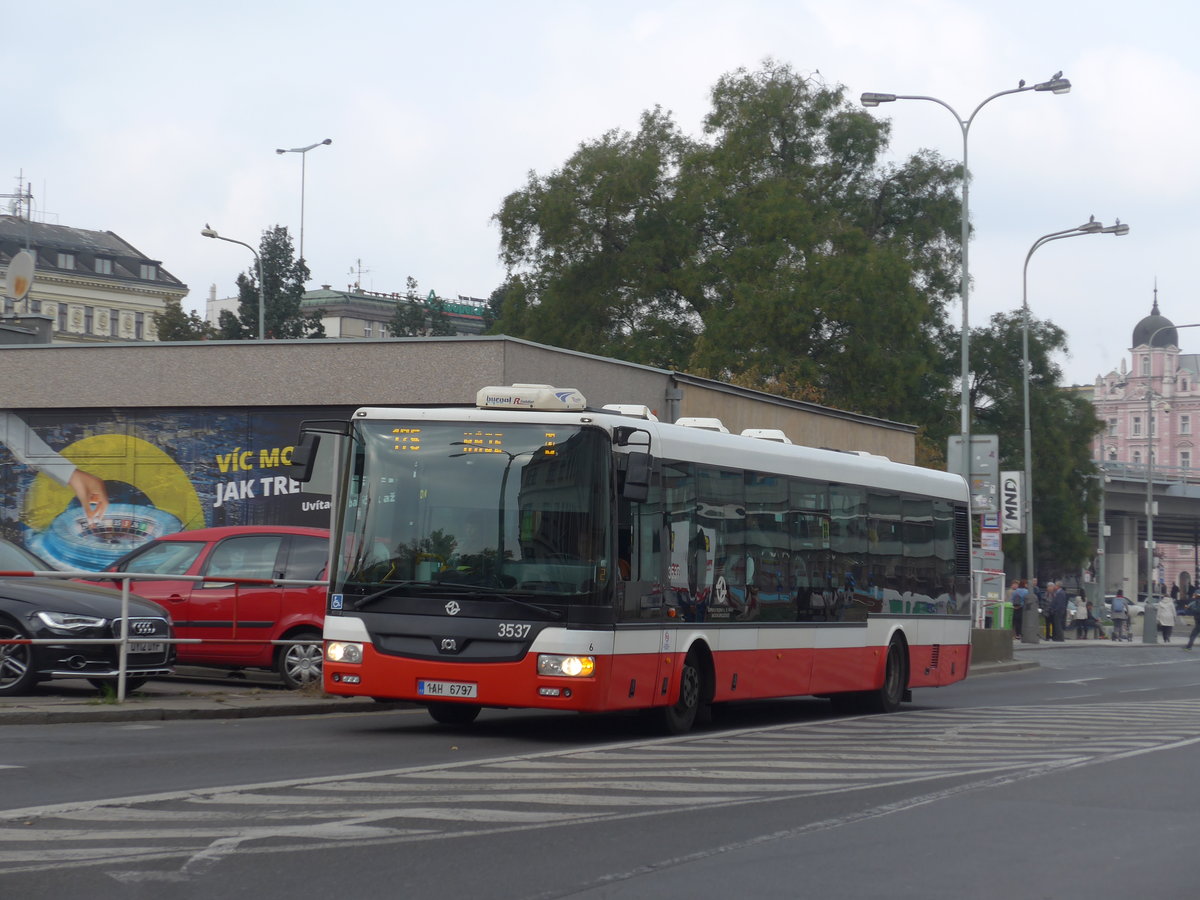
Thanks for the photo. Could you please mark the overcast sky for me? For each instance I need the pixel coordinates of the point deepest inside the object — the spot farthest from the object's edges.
(151, 119)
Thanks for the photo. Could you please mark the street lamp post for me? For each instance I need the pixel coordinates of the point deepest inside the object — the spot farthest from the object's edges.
(1101, 551)
(1056, 85)
(209, 232)
(303, 151)
(1029, 624)
(1150, 616)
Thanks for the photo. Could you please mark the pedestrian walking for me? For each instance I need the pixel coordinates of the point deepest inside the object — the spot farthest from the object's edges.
(1057, 595)
(1193, 609)
(1017, 597)
(1165, 610)
(1120, 617)
(1081, 614)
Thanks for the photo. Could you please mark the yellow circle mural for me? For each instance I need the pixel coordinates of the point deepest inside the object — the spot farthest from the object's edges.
(124, 458)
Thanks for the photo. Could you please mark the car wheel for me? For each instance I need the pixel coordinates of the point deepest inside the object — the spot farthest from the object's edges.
(131, 684)
(17, 675)
(299, 665)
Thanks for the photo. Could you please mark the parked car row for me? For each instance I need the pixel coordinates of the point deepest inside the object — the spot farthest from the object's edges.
(46, 608)
(236, 623)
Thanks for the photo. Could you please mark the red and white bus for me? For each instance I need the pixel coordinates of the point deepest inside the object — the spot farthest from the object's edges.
(534, 552)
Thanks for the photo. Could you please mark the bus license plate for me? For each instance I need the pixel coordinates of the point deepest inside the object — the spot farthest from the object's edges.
(145, 647)
(447, 689)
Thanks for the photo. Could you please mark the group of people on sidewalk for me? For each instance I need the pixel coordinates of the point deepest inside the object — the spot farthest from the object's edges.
(1054, 605)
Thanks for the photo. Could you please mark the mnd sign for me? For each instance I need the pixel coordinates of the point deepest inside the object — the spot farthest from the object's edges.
(1012, 515)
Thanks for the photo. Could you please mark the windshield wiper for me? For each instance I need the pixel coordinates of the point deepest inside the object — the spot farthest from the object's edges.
(462, 590)
(387, 591)
(476, 591)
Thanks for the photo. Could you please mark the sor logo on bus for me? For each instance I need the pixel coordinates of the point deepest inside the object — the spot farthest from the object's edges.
(452, 608)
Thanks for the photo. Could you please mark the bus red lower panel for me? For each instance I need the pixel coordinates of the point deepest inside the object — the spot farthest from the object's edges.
(510, 684)
(938, 664)
(640, 680)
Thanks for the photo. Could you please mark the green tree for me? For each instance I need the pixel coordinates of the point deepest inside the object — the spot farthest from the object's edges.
(775, 250)
(173, 324)
(439, 320)
(283, 279)
(408, 320)
(493, 311)
(1062, 427)
(415, 317)
(598, 247)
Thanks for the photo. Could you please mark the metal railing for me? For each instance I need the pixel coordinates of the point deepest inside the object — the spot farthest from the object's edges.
(123, 640)
(1137, 472)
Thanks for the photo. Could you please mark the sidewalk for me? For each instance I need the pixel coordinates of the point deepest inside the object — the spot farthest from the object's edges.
(1025, 655)
(193, 694)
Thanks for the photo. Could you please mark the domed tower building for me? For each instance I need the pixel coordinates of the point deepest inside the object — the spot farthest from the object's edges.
(1160, 375)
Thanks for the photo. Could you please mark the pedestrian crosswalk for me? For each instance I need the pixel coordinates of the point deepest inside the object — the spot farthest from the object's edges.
(180, 836)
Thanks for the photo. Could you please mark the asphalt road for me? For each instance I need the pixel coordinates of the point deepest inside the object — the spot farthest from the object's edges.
(959, 795)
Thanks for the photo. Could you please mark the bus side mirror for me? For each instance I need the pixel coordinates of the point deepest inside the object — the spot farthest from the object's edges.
(304, 455)
(637, 477)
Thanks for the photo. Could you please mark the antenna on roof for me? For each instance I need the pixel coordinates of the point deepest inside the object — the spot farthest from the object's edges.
(357, 270)
(21, 200)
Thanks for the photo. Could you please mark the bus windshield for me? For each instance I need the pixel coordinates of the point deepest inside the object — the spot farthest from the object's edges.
(435, 509)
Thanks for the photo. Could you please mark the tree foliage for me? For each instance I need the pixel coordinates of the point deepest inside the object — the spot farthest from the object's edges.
(774, 250)
(173, 324)
(415, 317)
(779, 251)
(1062, 427)
(283, 280)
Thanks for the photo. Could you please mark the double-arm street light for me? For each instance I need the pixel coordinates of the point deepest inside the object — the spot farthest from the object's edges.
(303, 151)
(1029, 624)
(209, 232)
(1150, 616)
(1055, 85)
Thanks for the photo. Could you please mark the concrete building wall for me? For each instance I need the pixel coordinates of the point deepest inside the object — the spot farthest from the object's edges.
(404, 371)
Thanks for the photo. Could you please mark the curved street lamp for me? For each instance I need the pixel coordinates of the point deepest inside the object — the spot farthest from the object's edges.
(1055, 85)
(209, 232)
(303, 151)
(1150, 616)
(1029, 624)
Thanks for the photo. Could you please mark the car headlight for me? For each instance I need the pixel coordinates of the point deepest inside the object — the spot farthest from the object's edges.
(566, 666)
(70, 623)
(344, 652)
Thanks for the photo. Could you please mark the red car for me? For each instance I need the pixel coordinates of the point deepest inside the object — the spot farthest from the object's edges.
(238, 622)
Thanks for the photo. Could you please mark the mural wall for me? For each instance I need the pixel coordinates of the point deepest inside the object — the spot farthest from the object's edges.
(83, 487)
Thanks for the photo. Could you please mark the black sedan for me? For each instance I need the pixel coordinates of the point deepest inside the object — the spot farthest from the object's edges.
(45, 608)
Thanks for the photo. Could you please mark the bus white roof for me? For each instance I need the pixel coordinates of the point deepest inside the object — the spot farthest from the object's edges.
(710, 447)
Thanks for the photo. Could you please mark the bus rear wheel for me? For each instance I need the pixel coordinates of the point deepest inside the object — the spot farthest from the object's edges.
(889, 695)
(453, 713)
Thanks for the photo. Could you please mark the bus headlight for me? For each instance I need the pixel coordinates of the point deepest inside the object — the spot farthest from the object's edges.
(566, 666)
(343, 652)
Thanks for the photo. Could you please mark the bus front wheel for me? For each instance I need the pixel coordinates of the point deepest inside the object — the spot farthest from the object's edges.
(679, 717)
(453, 713)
